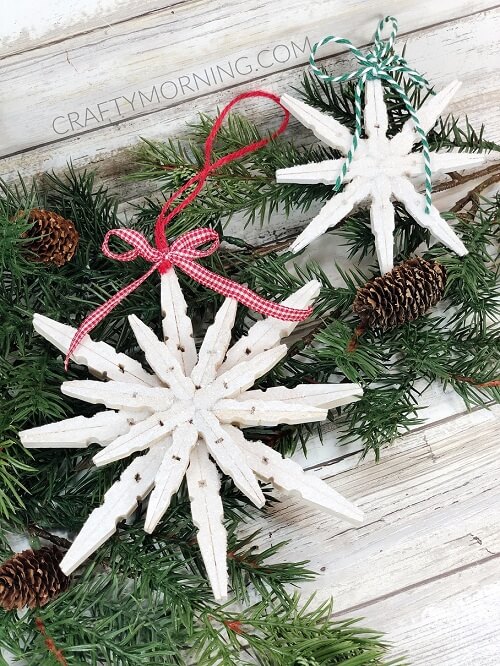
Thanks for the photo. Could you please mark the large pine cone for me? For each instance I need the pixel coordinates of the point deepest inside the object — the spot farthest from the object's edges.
(32, 578)
(54, 239)
(401, 295)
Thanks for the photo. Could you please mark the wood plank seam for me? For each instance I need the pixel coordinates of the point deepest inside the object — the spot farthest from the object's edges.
(413, 431)
(368, 525)
(426, 581)
(337, 459)
(401, 34)
(82, 33)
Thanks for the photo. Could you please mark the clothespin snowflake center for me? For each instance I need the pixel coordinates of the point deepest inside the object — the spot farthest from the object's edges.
(205, 398)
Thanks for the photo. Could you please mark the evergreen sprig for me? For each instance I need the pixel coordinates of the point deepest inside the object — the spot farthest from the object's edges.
(287, 632)
(144, 599)
(99, 621)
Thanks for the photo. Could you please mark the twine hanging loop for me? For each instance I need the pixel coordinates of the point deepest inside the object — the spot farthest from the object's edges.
(381, 62)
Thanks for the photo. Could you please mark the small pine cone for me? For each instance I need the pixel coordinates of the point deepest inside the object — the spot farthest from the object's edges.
(55, 239)
(32, 578)
(401, 295)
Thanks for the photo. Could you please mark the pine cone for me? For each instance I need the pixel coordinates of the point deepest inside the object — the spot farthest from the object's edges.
(401, 295)
(55, 239)
(32, 578)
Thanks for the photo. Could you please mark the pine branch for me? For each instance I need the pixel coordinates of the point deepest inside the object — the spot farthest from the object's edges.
(284, 633)
(382, 414)
(48, 536)
(245, 186)
(13, 470)
(112, 615)
(456, 133)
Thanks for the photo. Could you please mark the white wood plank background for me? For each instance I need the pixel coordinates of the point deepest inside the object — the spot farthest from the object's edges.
(425, 566)
(83, 81)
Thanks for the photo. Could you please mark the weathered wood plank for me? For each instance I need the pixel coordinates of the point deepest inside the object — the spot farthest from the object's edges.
(451, 621)
(433, 539)
(433, 494)
(28, 24)
(84, 75)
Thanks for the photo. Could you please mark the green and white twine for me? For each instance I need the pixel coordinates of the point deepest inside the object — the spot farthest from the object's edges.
(379, 63)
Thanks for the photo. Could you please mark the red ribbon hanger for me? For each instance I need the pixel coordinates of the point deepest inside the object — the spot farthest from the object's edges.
(184, 252)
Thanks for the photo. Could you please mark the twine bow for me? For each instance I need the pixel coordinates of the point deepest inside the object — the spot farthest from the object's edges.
(379, 63)
(184, 252)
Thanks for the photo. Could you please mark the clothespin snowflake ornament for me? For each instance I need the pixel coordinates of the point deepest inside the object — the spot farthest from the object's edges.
(189, 417)
(377, 168)
(189, 413)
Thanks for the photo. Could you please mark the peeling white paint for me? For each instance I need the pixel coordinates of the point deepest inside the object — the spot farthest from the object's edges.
(32, 19)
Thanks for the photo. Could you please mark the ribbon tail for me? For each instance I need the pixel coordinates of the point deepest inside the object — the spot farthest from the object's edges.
(242, 294)
(97, 315)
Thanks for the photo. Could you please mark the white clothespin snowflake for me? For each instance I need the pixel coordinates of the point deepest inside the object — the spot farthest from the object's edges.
(381, 169)
(377, 168)
(188, 416)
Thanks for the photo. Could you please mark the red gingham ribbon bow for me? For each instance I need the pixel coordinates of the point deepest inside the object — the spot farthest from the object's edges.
(184, 251)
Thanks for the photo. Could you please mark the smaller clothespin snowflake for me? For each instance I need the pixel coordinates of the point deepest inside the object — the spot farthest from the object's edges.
(377, 168)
